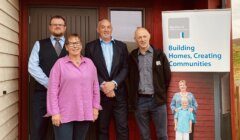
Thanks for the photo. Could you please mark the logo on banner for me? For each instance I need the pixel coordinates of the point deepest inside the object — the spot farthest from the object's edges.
(178, 28)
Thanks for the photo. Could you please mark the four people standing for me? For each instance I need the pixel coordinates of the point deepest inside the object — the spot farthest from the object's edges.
(149, 78)
(110, 58)
(73, 98)
(43, 56)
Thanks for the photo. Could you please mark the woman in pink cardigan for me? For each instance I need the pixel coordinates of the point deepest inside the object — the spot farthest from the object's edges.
(73, 98)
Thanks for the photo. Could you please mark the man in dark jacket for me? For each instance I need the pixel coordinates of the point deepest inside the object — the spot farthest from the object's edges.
(149, 78)
(110, 58)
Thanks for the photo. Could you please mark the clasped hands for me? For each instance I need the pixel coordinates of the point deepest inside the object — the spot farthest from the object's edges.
(108, 88)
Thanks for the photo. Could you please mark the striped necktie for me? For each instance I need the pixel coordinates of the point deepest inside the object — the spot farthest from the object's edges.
(57, 47)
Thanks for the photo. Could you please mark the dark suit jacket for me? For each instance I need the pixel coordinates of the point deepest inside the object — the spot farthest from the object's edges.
(161, 76)
(119, 70)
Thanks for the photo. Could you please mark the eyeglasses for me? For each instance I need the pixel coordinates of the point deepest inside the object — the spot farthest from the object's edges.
(72, 44)
(61, 25)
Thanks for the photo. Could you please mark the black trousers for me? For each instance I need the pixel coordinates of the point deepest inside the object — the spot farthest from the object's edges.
(41, 128)
(76, 130)
(117, 109)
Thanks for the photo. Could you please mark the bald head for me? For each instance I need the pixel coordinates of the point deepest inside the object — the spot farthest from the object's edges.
(103, 21)
(104, 30)
(142, 38)
(141, 29)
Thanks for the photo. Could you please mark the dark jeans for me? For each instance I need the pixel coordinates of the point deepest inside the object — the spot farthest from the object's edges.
(147, 109)
(76, 130)
(191, 134)
(119, 111)
(39, 124)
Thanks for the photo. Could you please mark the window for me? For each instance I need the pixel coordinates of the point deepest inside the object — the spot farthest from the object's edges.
(124, 24)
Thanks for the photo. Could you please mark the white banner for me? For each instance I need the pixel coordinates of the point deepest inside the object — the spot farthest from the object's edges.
(198, 40)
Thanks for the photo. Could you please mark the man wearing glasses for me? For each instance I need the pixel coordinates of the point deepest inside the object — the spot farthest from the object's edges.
(44, 54)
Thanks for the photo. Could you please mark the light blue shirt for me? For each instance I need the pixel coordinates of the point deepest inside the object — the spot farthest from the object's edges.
(183, 117)
(33, 64)
(107, 49)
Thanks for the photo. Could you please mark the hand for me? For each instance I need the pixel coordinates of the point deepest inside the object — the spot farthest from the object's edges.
(111, 94)
(190, 109)
(176, 110)
(190, 131)
(103, 88)
(175, 127)
(95, 114)
(56, 120)
(107, 86)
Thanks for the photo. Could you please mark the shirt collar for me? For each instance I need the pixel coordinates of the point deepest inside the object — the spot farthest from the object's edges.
(184, 109)
(67, 59)
(102, 41)
(62, 38)
(150, 50)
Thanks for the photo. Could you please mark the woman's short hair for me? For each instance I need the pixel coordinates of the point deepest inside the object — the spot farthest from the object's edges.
(73, 35)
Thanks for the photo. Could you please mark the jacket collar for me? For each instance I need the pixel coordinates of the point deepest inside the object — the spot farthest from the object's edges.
(150, 50)
(135, 52)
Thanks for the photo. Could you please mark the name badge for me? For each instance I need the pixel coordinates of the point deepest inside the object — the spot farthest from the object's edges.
(158, 63)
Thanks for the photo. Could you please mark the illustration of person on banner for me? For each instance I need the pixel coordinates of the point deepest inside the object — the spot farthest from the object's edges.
(183, 121)
(192, 103)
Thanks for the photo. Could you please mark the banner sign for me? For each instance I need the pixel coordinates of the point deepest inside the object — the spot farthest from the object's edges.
(198, 40)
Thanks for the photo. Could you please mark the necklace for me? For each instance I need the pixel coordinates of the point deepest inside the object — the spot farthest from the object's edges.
(183, 94)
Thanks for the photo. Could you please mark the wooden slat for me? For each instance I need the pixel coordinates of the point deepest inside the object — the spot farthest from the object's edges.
(9, 51)
(8, 8)
(8, 100)
(210, 138)
(13, 135)
(8, 126)
(15, 3)
(8, 74)
(8, 21)
(8, 34)
(8, 86)
(204, 129)
(8, 113)
(204, 123)
(8, 60)
(204, 135)
(8, 47)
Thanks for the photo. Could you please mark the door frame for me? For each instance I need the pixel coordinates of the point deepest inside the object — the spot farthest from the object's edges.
(23, 117)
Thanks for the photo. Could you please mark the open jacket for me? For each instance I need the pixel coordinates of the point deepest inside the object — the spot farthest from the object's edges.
(161, 77)
(119, 69)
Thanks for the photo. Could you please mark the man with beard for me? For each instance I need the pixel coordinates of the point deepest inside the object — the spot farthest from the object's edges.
(110, 58)
(44, 54)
